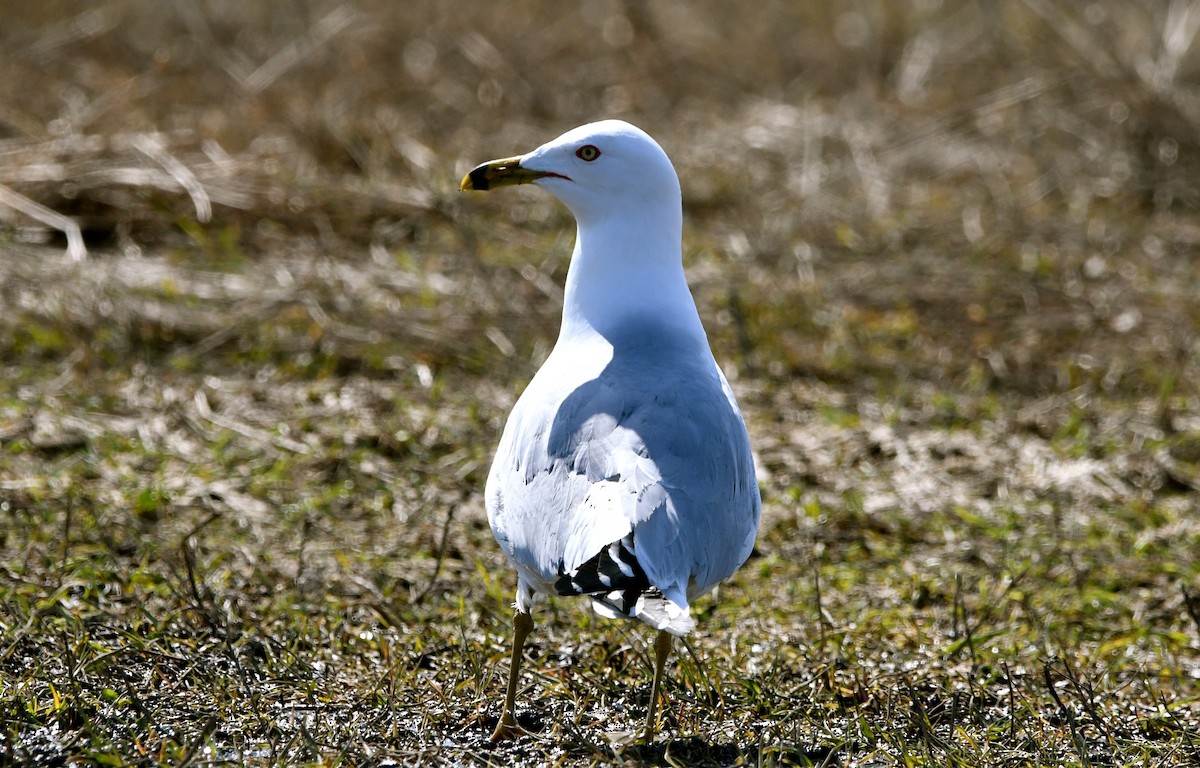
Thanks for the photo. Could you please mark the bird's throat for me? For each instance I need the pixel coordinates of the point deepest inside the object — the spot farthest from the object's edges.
(625, 274)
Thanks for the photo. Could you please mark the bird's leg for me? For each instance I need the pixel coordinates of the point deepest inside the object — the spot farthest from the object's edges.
(662, 649)
(507, 728)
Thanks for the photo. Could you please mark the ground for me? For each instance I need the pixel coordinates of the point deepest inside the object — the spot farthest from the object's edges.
(945, 251)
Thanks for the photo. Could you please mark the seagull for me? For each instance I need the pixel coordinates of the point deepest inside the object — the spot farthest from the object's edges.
(624, 472)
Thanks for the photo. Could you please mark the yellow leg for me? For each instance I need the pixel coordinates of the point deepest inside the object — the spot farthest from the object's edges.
(662, 649)
(507, 728)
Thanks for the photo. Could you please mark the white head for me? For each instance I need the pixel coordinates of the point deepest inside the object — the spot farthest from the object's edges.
(597, 170)
(627, 267)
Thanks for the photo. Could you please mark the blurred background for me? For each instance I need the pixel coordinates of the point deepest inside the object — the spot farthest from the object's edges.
(1007, 192)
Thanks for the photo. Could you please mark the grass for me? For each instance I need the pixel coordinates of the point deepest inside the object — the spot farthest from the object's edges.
(944, 251)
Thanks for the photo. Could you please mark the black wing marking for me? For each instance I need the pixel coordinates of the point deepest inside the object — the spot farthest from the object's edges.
(613, 576)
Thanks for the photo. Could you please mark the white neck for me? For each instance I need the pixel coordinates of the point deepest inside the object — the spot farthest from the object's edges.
(626, 267)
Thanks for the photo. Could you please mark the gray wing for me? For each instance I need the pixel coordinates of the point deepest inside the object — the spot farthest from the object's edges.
(638, 479)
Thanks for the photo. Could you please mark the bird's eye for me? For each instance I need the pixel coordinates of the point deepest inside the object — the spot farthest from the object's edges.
(587, 152)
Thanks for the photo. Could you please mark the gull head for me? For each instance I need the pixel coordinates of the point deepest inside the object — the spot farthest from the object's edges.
(597, 170)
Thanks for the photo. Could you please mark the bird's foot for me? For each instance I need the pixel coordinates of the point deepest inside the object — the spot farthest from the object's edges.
(508, 729)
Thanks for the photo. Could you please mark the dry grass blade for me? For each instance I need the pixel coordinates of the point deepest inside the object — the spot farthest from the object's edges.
(34, 210)
(303, 47)
(152, 146)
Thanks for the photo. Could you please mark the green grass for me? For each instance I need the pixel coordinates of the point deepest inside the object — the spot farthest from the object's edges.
(242, 460)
